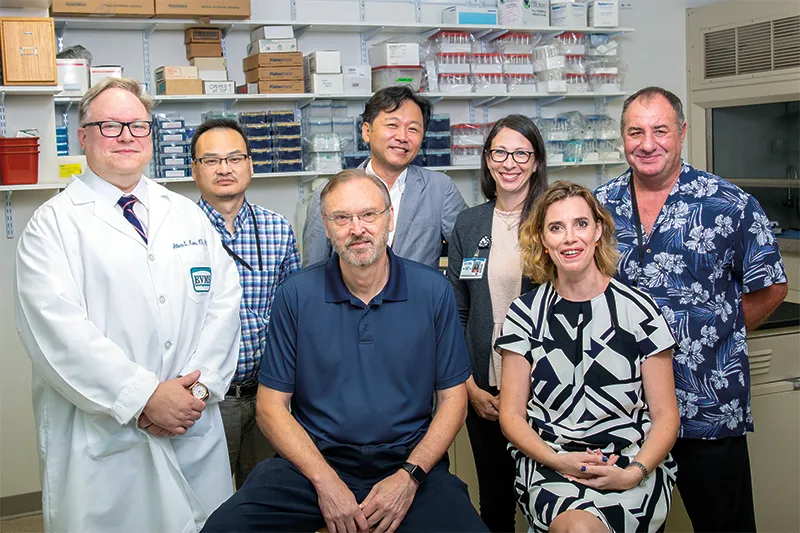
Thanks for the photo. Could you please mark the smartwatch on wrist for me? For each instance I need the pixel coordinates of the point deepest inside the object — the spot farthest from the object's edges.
(416, 472)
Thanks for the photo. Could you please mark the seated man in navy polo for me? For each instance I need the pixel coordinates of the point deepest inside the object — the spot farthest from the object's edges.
(356, 347)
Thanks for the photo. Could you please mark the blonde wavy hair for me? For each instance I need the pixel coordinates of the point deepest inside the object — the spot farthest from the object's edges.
(539, 266)
(126, 84)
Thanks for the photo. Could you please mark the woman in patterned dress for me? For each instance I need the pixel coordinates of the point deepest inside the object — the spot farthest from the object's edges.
(587, 397)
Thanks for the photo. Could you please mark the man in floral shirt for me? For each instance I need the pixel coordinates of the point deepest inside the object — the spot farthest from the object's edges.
(704, 250)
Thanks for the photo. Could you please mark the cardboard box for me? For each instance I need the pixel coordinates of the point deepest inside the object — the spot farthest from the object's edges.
(285, 59)
(274, 74)
(208, 63)
(568, 13)
(324, 62)
(73, 74)
(394, 54)
(203, 50)
(179, 87)
(271, 46)
(101, 72)
(213, 75)
(176, 73)
(524, 13)
(275, 87)
(468, 15)
(202, 35)
(218, 87)
(325, 84)
(603, 13)
(223, 9)
(357, 79)
(272, 32)
(107, 8)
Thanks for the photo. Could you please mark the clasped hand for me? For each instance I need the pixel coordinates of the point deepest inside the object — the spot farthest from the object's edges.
(593, 469)
(172, 409)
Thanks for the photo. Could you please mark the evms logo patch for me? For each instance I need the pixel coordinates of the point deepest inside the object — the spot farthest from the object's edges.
(201, 278)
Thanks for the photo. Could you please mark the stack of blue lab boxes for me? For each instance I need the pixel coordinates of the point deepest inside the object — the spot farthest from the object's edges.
(274, 140)
(436, 144)
(171, 141)
(62, 140)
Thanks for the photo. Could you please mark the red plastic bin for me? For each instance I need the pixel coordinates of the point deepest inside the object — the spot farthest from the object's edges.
(19, 166)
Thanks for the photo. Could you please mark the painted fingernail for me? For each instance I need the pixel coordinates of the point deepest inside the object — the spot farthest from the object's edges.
(583, 469)
(605, 459)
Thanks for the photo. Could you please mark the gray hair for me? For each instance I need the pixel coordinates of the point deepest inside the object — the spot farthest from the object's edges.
(647, 94)
(127, 84)
(351, 174)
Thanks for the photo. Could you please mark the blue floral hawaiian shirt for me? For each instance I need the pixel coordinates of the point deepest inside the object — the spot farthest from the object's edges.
(710, 243)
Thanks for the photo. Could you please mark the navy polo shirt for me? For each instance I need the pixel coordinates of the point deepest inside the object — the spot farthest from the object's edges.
(365, 374)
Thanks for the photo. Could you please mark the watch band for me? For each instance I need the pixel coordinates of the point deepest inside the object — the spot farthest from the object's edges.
(643, 468)
(416, 472)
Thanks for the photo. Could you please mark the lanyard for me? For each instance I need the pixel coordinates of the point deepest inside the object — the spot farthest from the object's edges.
(638, 223)
(236, 257)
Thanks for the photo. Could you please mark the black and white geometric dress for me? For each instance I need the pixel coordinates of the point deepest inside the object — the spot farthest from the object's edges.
(586, 391)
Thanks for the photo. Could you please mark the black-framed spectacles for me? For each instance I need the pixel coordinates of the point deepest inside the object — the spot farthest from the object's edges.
(519, 156)
(113, 128)
(367, 217)
(214, 162)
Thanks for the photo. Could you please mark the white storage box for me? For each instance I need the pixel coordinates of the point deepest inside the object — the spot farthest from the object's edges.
(325, 84)
(524, 13)
(394, 54)
(469, 15)
(271, 46)
(604, 13)
(488, 83)
(324, 62)
(568, 13)
(383, 77)
(102, 72)
(218, 87)
(357, 79)
(73, 74)
(272, 32)
(213, 75)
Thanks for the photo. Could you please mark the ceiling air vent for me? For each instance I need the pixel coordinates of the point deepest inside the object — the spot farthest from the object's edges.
(760, 47)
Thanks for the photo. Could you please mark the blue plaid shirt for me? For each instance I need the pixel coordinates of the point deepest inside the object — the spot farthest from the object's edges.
(279, 258)
(710, 243)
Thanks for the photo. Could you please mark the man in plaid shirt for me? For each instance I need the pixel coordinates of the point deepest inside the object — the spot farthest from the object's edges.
(263, 246)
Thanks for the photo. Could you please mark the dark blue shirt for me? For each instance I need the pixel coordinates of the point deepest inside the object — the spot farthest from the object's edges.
(710, 243)
(365, 374)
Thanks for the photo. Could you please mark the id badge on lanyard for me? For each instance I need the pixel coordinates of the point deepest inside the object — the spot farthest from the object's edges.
(474, 267)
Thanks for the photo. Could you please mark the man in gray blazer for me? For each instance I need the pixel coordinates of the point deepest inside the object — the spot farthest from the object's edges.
(426, 202)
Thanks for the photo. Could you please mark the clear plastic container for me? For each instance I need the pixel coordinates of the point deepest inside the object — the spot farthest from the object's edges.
(319, 108)
(601, 127)
(548, 57)
(383, 77)
(345, 126)
(260, 143)
(609, 150)
(439, 123)
(573, 43)
(555, 151)
(602, 45)
(554, 129)
(520, 83)
(573, 152)
(551, 81)
(516, 42)
(467, 134)
(338, 109)
(315, 125)
(436, 140)
(574, 64)
(466, 155)
(577, 83)
(325, 142)
(453, 41)
(518, 64)
(329, 162)
(452, 63)
(605, 83)
(438, 158)
(590, 151)
(486, 63)
(488, 83)
(455, 83)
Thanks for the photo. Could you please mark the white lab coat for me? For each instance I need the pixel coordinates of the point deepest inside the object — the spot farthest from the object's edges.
(105, 318)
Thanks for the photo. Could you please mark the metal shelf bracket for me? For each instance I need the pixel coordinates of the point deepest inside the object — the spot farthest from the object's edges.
(9, 215)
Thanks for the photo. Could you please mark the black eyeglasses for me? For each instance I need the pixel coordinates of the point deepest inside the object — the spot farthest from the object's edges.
(519, 156)
(112, 128)
(214, 162)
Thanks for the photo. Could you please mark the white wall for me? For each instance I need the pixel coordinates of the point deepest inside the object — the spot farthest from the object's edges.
(655, 53)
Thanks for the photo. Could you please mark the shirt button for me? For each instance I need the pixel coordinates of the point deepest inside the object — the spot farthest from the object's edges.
(649, 251)
(161, 299)
(151, 257)
(366, 328)
(167, 345)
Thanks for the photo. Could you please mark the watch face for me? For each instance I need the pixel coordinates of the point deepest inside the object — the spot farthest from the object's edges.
(199, 391)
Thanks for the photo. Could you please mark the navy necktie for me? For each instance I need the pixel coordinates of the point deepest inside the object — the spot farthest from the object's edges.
(126, 203)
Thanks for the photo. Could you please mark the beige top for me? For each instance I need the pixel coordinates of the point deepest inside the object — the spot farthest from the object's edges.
(504, 277)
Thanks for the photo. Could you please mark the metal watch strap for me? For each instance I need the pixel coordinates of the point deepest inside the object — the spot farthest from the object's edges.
(643, 468)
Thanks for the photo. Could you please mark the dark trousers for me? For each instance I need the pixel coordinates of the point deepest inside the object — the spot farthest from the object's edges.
(247, 446)
(496, 472)
(277, 497)
(714, 482)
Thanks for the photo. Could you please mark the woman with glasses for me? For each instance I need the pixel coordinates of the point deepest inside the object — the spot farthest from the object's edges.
(484, 268)
(588, 398)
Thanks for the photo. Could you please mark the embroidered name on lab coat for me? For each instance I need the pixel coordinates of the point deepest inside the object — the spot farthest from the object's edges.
(198, 242)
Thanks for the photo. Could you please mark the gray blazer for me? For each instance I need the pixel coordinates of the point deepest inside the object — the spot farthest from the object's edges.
(428, 210)
(472, 296)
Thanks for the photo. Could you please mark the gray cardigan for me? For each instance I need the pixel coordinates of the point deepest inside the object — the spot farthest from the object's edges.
(472, 296)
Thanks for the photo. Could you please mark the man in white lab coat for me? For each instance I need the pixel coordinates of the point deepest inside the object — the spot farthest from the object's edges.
(123, 287)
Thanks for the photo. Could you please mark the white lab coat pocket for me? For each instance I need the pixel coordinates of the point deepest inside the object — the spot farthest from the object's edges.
(196, 273)
(106, 437)
(202, 427)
